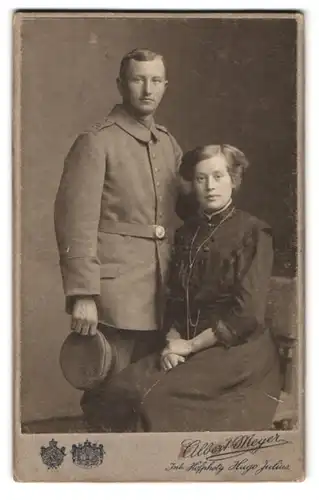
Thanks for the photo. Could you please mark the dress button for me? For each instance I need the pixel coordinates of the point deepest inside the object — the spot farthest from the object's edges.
(157, 184)
(153, 155)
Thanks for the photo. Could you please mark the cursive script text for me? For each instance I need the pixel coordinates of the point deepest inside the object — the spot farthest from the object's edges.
(230, 447)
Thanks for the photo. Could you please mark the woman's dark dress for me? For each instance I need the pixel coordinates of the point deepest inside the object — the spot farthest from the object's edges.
(233, 385)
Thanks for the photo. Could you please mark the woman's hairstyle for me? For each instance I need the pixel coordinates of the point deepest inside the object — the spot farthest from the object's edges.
(237, 162)
(138, 55)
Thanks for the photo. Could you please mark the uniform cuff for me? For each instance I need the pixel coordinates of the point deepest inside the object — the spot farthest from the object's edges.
(80, 276)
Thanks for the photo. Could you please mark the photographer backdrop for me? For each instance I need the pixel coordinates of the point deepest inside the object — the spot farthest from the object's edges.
(230, 81)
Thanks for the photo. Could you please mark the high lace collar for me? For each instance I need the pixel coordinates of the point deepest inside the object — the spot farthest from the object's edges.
(216, 217)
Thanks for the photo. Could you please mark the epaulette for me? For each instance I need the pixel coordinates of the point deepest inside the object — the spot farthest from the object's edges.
(106, 122)
(162, 128)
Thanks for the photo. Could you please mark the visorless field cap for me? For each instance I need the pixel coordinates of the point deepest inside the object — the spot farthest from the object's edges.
(86, 360)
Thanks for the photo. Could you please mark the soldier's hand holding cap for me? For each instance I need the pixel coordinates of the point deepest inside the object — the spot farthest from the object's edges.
(84, 316)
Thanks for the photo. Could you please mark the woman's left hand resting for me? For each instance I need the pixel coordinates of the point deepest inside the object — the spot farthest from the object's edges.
(202, 341)
(177, 350)
(180, 346)
(170, 360)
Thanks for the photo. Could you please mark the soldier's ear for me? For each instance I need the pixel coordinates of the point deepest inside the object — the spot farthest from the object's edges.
(119, 84)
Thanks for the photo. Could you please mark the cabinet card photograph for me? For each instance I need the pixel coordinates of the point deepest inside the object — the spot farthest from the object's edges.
(158, 166)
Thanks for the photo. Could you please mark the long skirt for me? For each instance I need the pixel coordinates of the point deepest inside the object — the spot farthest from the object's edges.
(217, 389)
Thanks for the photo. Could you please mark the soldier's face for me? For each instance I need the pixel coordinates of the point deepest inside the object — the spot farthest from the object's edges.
(212, 183)
(144, 86)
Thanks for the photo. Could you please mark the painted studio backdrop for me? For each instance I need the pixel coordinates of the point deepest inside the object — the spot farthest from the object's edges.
(230, 81)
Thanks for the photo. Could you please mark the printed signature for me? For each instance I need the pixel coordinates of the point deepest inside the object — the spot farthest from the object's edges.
(231, 447)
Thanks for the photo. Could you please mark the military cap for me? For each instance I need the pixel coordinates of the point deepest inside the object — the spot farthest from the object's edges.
(86, 360)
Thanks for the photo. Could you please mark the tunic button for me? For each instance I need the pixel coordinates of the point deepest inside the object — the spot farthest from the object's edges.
(160, 232)
(153, 155)
(157, 184)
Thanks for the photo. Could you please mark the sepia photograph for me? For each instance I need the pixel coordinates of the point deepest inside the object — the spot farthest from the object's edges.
(158, 242)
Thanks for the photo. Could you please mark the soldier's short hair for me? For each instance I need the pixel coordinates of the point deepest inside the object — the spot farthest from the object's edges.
(138, 55)
(237, 162)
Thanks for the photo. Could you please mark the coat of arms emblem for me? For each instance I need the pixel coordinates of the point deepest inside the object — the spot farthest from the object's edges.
(87, 454)
(52, 456)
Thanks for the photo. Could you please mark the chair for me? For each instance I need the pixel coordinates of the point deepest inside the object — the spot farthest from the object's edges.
(281, 318)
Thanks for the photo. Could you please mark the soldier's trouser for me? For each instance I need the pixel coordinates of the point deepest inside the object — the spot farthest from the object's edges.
(129, 346)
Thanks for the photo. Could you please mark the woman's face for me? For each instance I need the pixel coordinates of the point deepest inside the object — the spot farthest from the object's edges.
(212, 183)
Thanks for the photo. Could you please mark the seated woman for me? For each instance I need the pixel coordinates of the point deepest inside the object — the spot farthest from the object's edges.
(219, 370)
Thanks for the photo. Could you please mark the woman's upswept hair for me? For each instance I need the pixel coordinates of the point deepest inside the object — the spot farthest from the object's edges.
(237, 162)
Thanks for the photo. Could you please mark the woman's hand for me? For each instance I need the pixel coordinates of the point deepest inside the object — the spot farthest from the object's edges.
(169, 360)
(180, 346)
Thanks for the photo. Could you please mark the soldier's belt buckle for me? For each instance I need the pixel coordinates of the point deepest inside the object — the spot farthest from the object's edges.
(160, 232)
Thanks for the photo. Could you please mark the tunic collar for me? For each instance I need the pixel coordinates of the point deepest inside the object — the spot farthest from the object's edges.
(133, 127)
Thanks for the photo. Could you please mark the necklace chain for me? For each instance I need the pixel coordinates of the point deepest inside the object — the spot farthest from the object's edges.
(191, 262)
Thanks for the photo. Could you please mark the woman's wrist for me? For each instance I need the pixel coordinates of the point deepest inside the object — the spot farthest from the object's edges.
(205, 339)
(194, 345)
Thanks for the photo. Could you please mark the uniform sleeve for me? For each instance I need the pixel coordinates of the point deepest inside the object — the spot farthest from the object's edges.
(178, 153)
(253, 271)
(77, 214)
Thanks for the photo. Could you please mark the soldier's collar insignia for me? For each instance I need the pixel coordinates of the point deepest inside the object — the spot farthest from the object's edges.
(126, 122)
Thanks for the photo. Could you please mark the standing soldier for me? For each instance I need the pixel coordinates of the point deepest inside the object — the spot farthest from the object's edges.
(114, 215)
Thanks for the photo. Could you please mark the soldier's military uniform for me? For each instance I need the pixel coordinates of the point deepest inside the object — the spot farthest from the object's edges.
(114, 219)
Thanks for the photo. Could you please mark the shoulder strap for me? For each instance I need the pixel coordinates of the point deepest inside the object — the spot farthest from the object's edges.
(106, 122)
